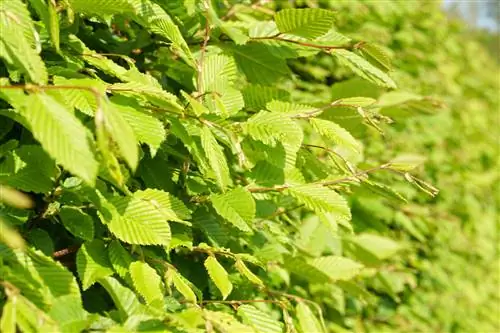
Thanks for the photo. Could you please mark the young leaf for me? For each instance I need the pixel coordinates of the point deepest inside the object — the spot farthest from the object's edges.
(259, 320)
(77, 222)
(364, 69)
(308, 22)
(120, 258)
(219, 276)
(337, 134)
(172, 208)
(236, 206)
(92, 263)
(243, 269)
(18, 41)
(147, 282)
(216, 158)
(8, 319)
(320, 199)
(61, 134)
(137, 221)
(307, 320)
(183, 287)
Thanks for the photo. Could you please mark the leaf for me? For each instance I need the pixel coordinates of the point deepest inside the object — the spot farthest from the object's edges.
(125, 300)
(320, 199)
(61, 135)
(364, 69)
(122, 133)
(68, 312)
(323, 269)
(8, 319)
(48, 14)
(153, 17)
(10, 236)
(256, 96)
(147, 129)
(183, 287)
(218, 73)
(381, 247)
(236, 206)
(308, 22)
(243, 269)
(376, 55)
(147, 282)
(172, 208)
(108, 7)
(18, 41)
(28, 168)
(92, 263)
(136, 221)
(259, 65)
(216, 158)
(259, 320)
(384, 190)
(337, 134)
(307, 320)
(219, 276)
(120, 258)
(77, 222)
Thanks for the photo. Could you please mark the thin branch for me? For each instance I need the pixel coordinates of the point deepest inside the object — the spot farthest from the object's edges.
(354, 177)
(306, 44)
(243, 301)
(66, 251)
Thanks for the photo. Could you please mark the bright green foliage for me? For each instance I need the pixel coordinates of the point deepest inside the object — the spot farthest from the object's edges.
(240, 166)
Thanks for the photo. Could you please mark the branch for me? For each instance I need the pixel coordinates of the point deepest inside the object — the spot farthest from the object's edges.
(66, 251)
(277, 37)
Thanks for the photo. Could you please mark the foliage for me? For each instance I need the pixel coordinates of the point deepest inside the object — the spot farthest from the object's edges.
(190, 166)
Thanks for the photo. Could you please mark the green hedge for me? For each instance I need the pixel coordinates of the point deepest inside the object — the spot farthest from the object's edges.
(238, 166)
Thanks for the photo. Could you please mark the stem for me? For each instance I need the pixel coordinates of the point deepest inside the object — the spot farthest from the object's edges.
(66, 251)
(282, 39)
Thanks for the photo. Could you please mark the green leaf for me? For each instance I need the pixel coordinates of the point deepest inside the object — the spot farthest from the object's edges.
(307, 320)
(364, 69)
(18, 41)
(376, 55)
(381, 247)
(236, 206)
(320, 199)
(259, 65)
(8, 319)
(384, 191)
(183, 287)
(92, 263)
(102, 7)
(259, 320)
(82, 99)
(136, 221)
(77, 222)
(219, 276)
(307, 22)
(337, 134)
(172, 208)
(323, 269)
(256, 96)
(147, 283)
(28, 168)
(216, 158)
(61, 135)
(218, 73)
(125, 300)
(147, 129)
(68, 312)
(243, 269)
(120, 258)
(121, 133)
(153, 17)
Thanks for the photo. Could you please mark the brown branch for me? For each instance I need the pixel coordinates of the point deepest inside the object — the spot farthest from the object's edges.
(306, 44)
(353, 177)
(66, 251)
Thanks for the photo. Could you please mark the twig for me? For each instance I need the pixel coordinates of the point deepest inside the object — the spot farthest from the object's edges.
(317, 46)
(66, 251)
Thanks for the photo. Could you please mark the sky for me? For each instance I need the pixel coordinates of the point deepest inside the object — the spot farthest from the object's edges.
(483, 21)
